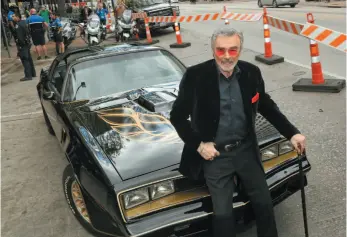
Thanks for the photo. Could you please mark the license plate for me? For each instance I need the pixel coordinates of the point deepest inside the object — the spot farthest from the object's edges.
(126, 34)
(162, 24)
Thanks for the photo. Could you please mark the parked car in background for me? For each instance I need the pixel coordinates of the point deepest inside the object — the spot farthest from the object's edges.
(153, 8)
(108, 107)
(277, 3)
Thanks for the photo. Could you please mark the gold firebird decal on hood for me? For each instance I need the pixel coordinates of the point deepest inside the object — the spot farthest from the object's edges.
(146, 127)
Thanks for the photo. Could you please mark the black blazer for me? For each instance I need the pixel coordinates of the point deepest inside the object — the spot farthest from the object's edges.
(198, 98)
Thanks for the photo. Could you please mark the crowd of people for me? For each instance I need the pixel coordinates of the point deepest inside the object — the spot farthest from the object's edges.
(34, 31)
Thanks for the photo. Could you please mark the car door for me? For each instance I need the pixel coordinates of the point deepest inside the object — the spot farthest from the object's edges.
(51, 95)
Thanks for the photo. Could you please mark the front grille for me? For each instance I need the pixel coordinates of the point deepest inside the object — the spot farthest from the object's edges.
(265, 130)
(164, 12)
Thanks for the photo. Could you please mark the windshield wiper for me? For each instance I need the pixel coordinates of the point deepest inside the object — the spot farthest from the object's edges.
(160, 87)
(109, 98)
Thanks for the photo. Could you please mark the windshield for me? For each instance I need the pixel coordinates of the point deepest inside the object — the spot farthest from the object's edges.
(110, 75)
(93, 17)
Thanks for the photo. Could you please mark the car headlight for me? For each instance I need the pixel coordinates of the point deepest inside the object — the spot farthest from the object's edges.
(162, 189)
(269, 153)
(145, 194)
(136, 197)
(276, 150)
(285, 147)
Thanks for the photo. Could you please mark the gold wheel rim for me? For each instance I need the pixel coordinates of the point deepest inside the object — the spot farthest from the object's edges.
(78, 200)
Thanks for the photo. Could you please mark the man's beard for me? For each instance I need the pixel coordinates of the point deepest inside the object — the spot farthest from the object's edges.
(228, 65)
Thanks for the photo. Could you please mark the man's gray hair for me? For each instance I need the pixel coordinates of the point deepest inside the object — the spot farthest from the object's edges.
(226, 31)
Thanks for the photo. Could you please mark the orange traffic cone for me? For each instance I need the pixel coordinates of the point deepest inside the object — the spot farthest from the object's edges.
(268, 58)
(179, 43)
(148, 34)
(317, 82)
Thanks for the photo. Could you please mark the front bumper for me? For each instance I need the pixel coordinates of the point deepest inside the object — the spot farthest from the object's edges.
(155, 25)
(194, 218)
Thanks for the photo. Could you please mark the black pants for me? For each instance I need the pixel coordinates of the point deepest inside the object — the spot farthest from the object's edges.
(219, 175)
(28, 64)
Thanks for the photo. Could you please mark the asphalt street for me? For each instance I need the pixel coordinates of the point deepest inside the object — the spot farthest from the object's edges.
(33, 203)
(293, 48)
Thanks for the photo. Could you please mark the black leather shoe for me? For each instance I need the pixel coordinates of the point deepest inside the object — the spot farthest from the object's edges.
(26, 79)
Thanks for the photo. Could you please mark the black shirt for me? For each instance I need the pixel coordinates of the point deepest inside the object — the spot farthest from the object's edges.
(232, 124)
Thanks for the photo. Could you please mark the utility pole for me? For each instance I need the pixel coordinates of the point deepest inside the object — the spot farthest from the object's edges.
(61, 7)
(6, 40)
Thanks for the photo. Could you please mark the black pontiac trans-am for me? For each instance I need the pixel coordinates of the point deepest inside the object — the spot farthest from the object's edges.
(108, 107)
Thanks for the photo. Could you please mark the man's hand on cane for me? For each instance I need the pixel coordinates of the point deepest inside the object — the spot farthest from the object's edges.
(299, 143)
(208, 151)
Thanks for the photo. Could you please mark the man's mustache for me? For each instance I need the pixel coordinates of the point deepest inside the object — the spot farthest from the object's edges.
(227, 61)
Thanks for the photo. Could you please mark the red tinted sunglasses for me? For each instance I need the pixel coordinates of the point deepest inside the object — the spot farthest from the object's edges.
(231, 52)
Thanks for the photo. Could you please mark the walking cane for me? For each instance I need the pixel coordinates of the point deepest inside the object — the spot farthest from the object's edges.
(303, 199)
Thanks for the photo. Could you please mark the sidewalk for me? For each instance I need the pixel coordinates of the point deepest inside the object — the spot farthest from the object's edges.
(332, 4)
(13, 63)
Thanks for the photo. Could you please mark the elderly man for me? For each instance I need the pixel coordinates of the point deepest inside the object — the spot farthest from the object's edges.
(221, 96)
(37, 27)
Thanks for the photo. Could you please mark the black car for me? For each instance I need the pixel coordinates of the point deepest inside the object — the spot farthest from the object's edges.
(108, 106)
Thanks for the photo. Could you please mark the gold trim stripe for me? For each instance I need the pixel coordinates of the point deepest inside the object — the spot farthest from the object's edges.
(168, 201)
(193, 194)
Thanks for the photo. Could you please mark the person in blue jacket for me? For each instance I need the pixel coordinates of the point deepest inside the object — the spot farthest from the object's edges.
(36, 26)
(102, 12)
(10, 20)
(57, 29)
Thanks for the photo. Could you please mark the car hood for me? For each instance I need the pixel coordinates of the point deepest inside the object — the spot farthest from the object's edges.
(137, 136)
(136, 140)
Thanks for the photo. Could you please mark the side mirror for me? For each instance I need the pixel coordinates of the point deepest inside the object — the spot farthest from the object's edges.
(48, 95)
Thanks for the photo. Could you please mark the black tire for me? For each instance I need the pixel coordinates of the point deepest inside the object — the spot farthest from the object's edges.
(260, 4)
(68, 180)
(48, 123)
(274, 4)
(293, 5)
